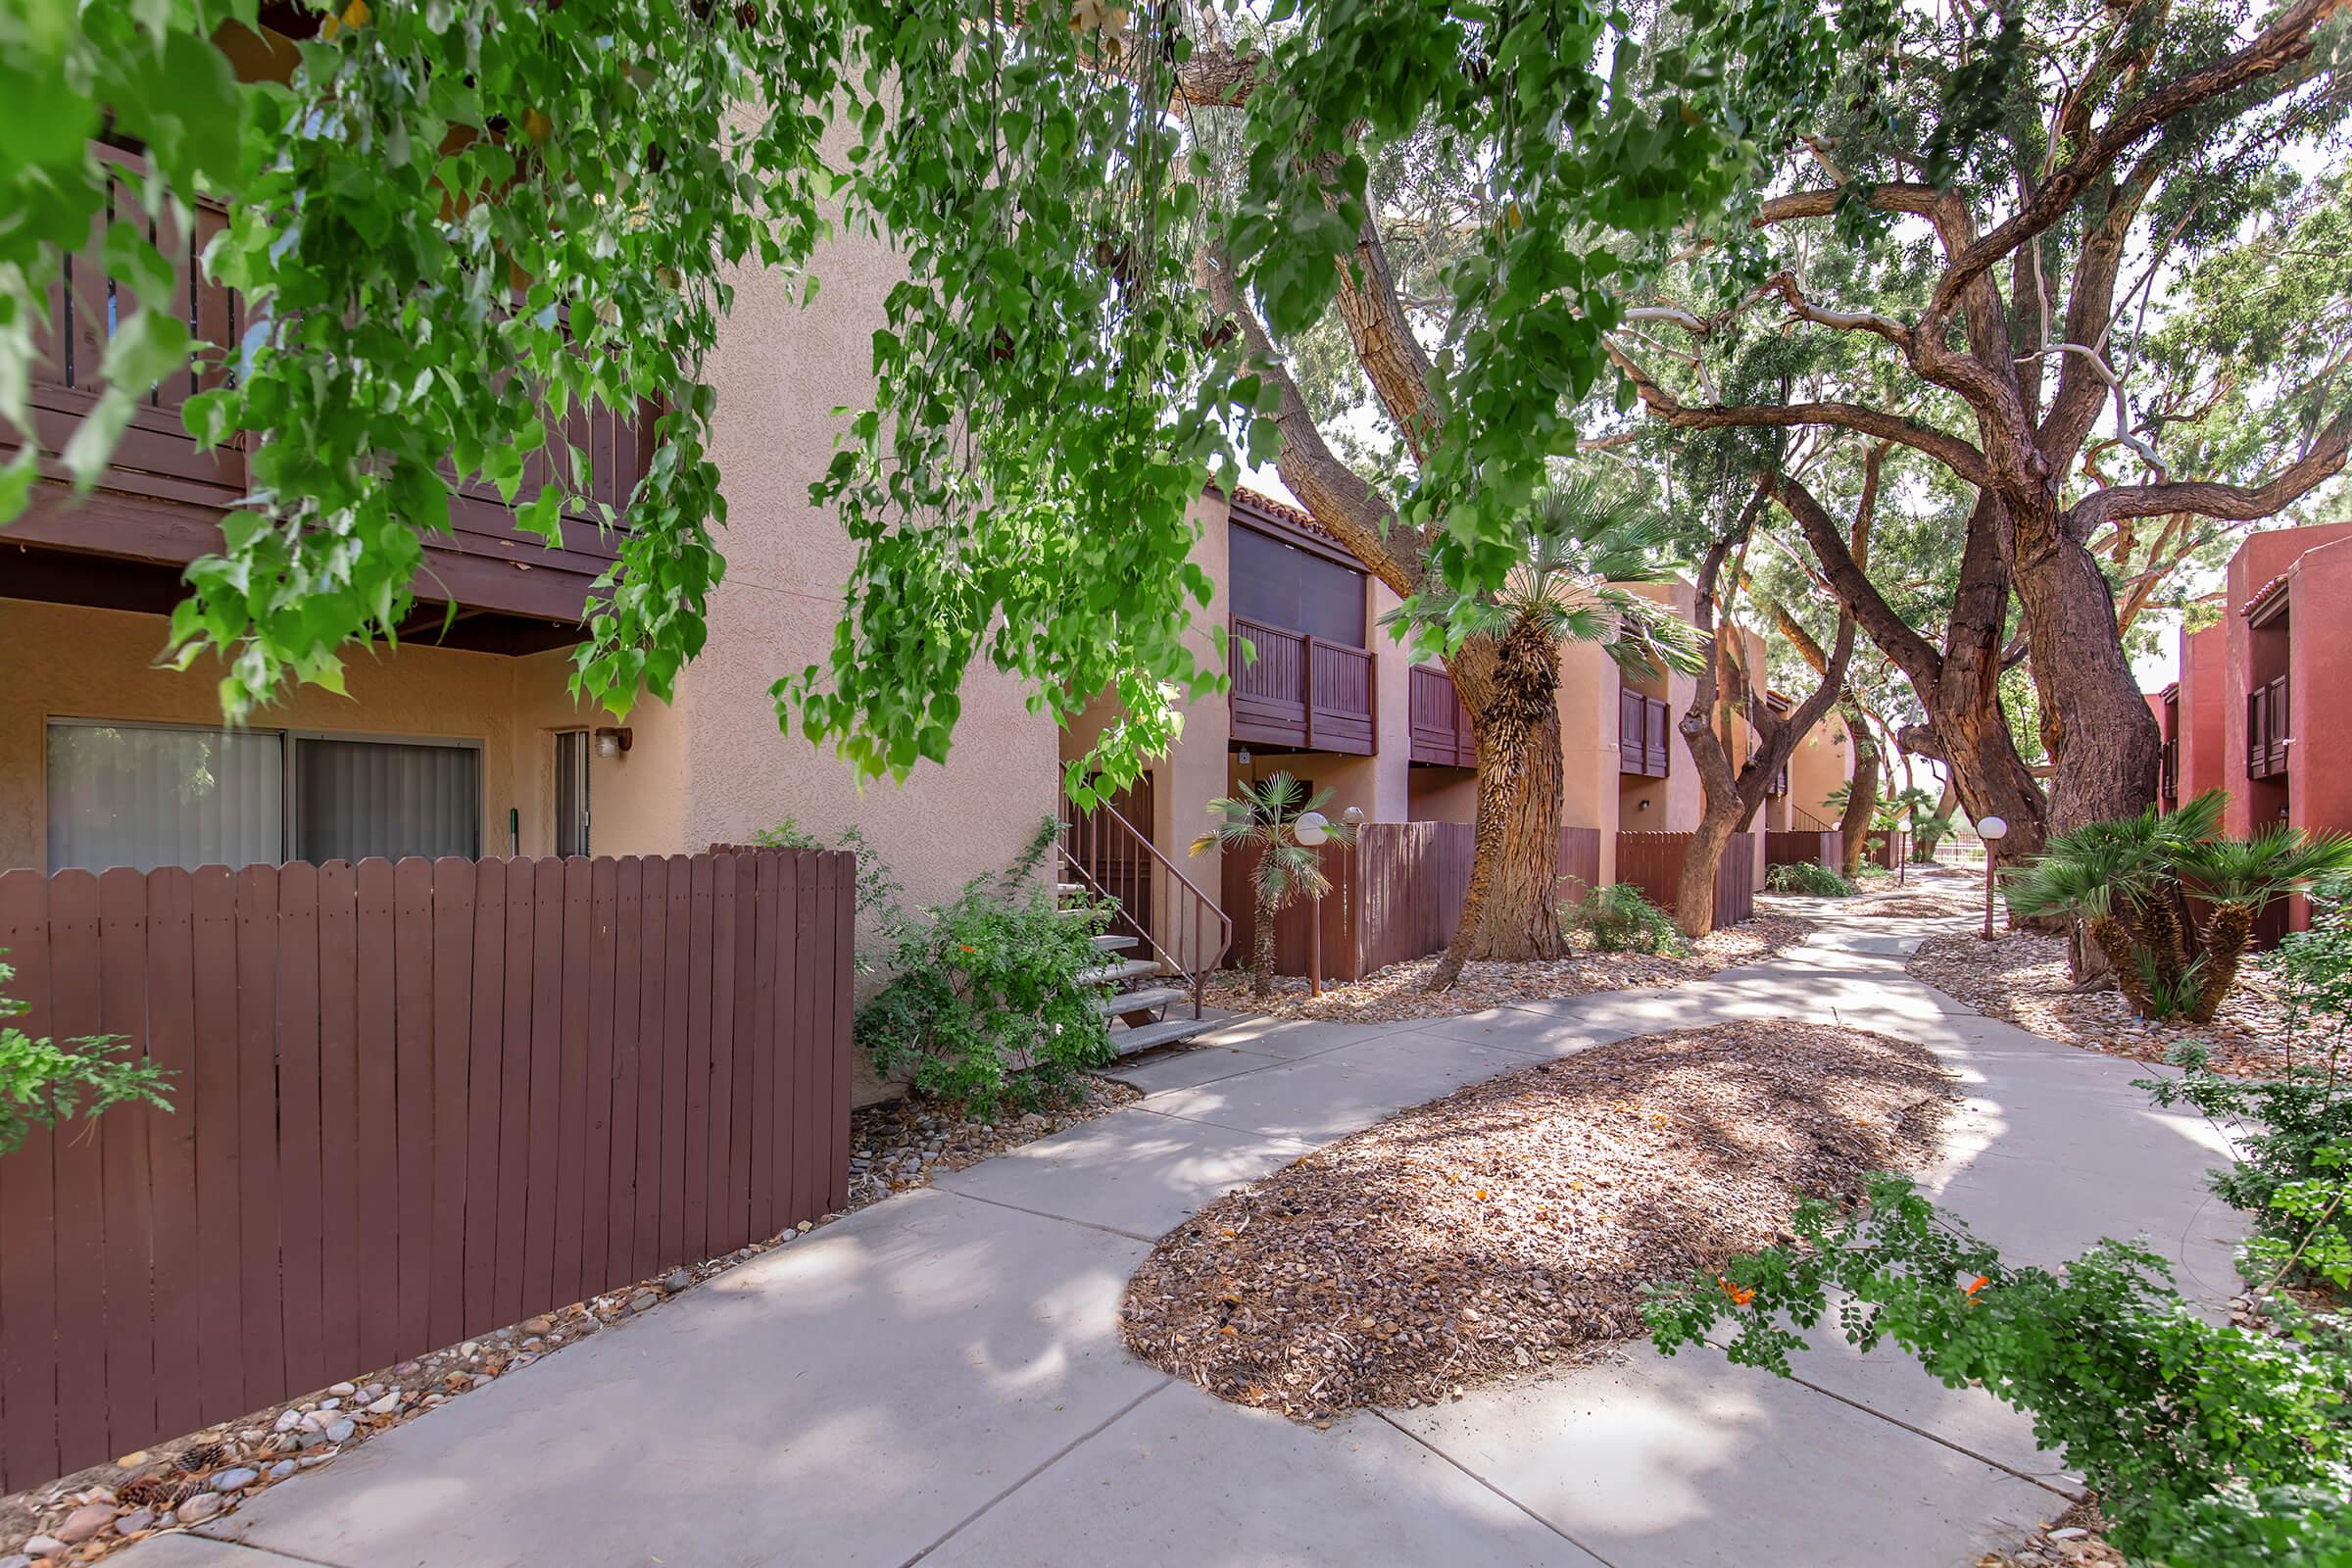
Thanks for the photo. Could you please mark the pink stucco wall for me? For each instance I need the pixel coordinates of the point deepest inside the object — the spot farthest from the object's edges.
(2204, 700)
(2249, 655)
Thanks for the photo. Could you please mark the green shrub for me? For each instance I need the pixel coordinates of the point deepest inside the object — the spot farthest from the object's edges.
(42, 1083)
(984, 1005)
(1809, 879)
(2209, 1445)
(2291, 1136)
(1619, 919)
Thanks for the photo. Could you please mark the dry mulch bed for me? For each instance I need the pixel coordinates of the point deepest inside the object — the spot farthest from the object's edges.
(1394, 994)
(2021, 976)
(206, 1474)
(1514, 1224)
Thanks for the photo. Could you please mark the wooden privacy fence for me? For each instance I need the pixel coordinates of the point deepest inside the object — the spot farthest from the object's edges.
(413, 1104)
(1403, 899)
(1653, 862)
(1802, 849)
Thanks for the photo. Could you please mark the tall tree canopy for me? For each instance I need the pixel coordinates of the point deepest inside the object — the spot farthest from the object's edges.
(457, 220)
(1981, 283)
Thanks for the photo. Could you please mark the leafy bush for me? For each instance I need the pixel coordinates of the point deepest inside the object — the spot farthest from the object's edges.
(1809, 879)
(2209, 1445)
(1619, 919)
(985, 1004)
(42, 1083)
(2291, 1136)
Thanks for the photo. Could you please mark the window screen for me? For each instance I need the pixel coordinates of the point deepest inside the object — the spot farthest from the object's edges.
(144, 796)
(356, 798)
(571, 792)
(1283, 586)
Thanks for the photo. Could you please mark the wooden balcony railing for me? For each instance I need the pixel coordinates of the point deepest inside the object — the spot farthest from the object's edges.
(2268, 731)
(1301, 692)
(157, 472)
(1441, 723)
(1643, 735)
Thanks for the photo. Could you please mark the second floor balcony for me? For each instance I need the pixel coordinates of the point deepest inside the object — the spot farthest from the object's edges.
(1301, 692)
(157, 507)
(1441, 732)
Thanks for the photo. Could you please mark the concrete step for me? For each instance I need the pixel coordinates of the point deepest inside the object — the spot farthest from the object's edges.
(1118, 974)
(1173, 1032)
(1130, 1002)
(1111, 942)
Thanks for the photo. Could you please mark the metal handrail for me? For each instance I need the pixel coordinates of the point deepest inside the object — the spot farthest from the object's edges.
(1807, 822)
(1195, 979)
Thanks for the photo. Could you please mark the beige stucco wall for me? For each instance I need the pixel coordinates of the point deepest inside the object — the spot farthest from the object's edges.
(1823, 761)
(779, 371)
(68, 661)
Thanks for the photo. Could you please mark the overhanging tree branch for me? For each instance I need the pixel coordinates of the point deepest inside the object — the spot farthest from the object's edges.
(2236, 503)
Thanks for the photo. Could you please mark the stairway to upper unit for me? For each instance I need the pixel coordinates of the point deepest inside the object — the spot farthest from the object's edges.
(1156, 956)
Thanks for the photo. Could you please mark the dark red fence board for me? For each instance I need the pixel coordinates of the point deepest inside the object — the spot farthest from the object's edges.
(1794, 847)
(1653, 862)
(413, 1103)
(1397, 896)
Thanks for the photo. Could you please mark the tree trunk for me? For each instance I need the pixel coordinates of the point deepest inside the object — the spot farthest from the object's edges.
(2109, 743)
(1261, 954)
(1695, 891)
(1964, 701)
(1861, 796)
(1509, 910)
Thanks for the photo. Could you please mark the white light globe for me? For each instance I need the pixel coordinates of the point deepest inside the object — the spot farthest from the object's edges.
(1992, 827)
(1313, 828)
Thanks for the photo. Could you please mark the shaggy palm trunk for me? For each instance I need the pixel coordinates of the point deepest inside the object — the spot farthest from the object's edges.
(2225, 936)
(1509, 910)
(2115, 943)
(1261, 955)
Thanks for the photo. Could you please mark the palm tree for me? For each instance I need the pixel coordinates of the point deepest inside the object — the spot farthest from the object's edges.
(2136, 886)
(1264, 817)
(1582, 541)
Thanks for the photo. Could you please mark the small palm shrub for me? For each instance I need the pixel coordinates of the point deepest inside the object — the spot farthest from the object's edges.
(2168, 901)
(1264, 819)
(1617, 918)
(1809, 879)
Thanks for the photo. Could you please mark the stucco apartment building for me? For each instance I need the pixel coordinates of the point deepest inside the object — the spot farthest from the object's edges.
(2247, 712)
(1332, 698)
(463, 740)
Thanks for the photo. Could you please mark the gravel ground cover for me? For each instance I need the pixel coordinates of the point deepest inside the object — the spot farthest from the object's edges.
(205, 1474)
(2022, 976)
(1512, 1226)
(1387, 996)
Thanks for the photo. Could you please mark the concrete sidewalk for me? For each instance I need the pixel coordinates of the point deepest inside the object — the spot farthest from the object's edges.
(939, 1377)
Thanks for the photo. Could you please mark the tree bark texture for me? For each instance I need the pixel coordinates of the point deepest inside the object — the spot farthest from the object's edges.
(1861, 796)
(1510, 909)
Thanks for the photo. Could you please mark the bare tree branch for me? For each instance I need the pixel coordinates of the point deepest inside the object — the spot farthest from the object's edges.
(2234, 502)
(1953, 453)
